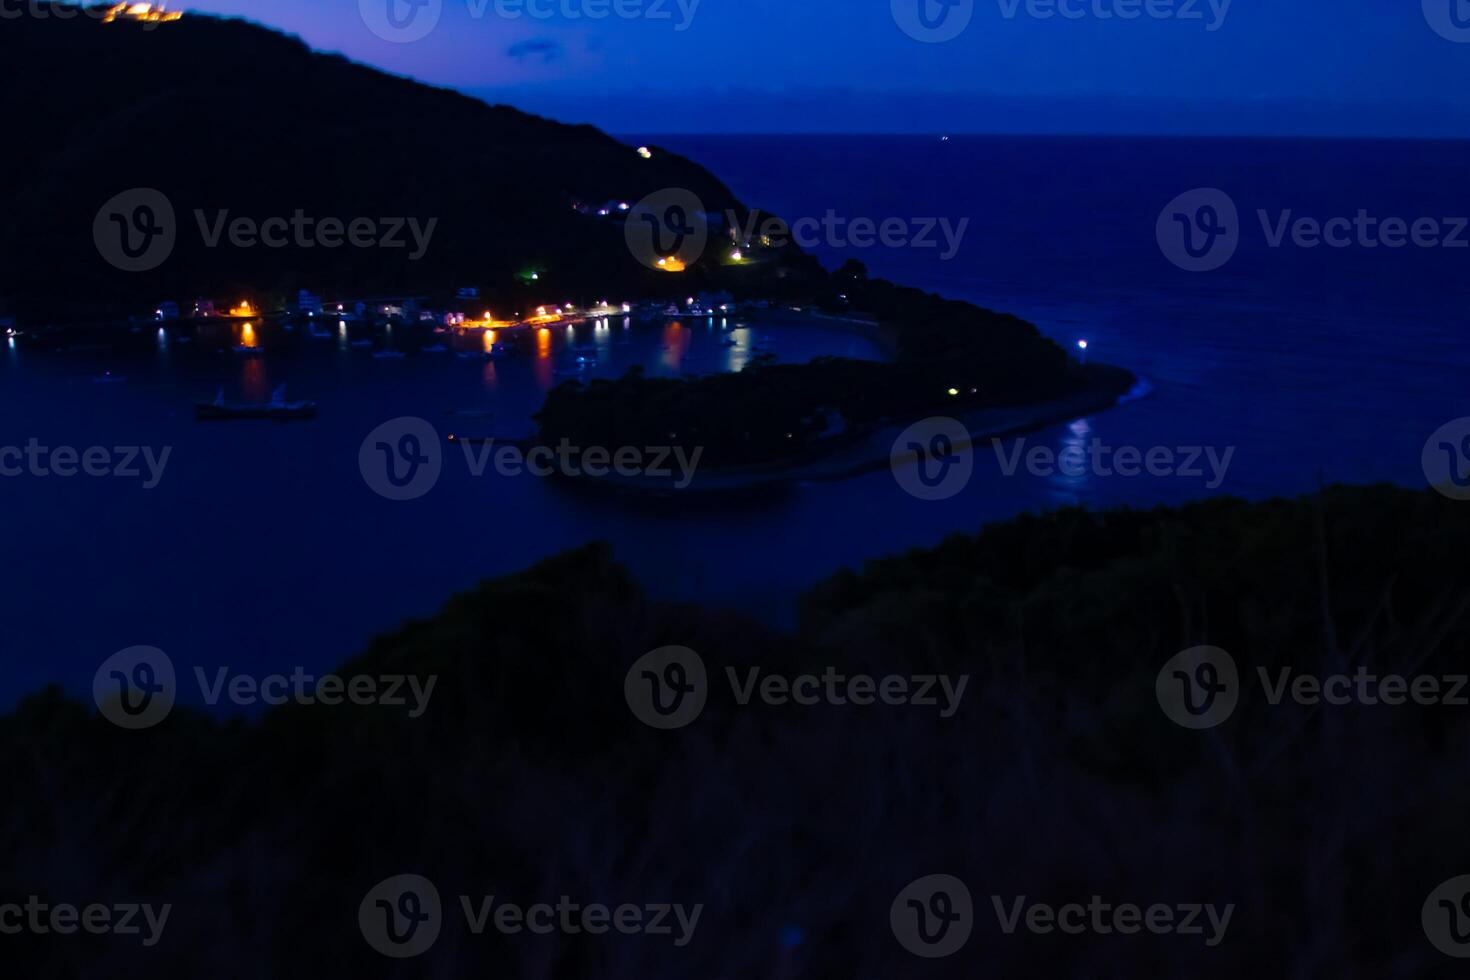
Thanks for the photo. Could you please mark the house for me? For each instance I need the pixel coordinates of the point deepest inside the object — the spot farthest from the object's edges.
(166, 311)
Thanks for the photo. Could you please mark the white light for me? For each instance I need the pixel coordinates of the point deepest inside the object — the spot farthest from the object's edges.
(1082, 345)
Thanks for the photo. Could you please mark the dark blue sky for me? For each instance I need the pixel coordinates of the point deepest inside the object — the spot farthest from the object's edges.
(1368, 67)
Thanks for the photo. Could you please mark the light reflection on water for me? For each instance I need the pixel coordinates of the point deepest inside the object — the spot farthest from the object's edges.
(1073, 473)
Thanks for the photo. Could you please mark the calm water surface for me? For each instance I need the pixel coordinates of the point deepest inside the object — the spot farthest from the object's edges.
(263, 549)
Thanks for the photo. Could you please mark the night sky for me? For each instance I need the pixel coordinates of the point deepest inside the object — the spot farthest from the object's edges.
(1267, 66)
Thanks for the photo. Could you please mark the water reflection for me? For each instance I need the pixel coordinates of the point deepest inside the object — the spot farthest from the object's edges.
(675, 344)
(542, 367)
(254, 380)
(1073, 470)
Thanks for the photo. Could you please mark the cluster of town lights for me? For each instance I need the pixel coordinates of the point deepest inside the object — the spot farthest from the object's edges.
(144, 12)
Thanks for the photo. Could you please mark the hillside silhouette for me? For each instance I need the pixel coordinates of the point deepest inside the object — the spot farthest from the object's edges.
(225, 115)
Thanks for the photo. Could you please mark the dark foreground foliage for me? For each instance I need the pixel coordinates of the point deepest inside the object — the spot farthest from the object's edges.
(1059, 778)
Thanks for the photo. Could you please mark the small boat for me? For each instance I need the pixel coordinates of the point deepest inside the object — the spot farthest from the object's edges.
(277, 409)
(360, 344)
(388, 355)
(248, 351)
(436, 349)
(584, 349)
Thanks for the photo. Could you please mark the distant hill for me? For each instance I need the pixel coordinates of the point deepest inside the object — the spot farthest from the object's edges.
(226, 115)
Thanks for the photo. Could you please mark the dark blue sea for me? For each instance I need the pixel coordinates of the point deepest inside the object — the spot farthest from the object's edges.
(263, 549)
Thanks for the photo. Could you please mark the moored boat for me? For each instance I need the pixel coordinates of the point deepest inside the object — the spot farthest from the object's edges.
(277, 409)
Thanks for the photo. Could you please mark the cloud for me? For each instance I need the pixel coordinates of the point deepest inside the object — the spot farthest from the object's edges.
(548, 49)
